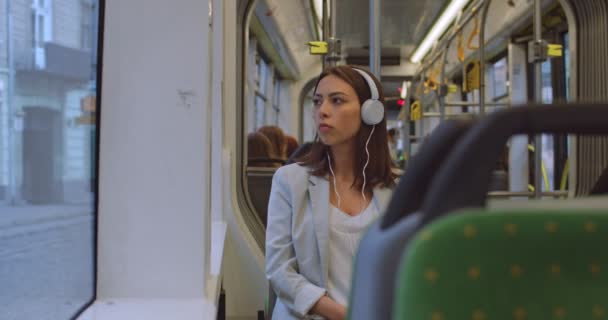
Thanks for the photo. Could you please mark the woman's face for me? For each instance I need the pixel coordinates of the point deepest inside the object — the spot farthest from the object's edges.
(337, 112)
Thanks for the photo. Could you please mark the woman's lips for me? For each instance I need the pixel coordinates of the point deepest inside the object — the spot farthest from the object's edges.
(324, 128)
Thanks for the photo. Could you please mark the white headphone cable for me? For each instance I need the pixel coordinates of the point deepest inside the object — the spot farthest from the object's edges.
(365, 166)
(335, 184)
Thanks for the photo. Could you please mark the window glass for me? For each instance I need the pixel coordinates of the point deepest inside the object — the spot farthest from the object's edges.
(263, 77)
(260, 111)
(276, 99)
(499, 77)
(548, 154)
(48, 72)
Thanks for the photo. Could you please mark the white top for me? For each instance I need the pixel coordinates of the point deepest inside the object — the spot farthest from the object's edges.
(344, 234)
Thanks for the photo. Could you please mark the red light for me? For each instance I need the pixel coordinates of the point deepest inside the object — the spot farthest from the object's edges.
(400, 102)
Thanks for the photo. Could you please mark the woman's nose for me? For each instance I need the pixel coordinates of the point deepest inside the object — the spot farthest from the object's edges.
(324, 110)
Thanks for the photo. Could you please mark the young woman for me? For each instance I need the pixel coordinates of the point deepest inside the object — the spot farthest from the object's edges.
(320, 206)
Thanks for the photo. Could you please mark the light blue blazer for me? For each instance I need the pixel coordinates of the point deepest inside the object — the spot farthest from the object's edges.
(297, 238)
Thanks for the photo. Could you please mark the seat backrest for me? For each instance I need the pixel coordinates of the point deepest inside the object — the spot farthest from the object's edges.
(265, 162)
(525, 264)
(376, 261)
(464, 179)
(515, 264)
(259, 184)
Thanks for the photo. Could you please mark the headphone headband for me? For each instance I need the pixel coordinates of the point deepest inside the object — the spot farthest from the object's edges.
(370, 83)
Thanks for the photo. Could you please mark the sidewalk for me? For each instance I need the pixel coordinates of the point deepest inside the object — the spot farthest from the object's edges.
(27, 214)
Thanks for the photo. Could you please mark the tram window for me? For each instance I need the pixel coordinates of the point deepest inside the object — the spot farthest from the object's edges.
(499, 78)
(276, 100)
(48, 158)
(260, 108)
(554, 147)
(261, 74)
(276, 66)
(548, 148)
(547, 91)
(308, 126)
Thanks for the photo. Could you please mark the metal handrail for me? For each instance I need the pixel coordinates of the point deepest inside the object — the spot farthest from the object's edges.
(465, 103)
(504, 194)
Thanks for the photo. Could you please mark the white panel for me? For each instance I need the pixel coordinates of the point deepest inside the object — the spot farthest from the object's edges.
(243, 265)
(217, 111)
(129, 309)
(220, 170)
(152, 210)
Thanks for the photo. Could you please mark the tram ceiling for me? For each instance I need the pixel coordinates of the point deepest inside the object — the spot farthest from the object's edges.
(403, 25)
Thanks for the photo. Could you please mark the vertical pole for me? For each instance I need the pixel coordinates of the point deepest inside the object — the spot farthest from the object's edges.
(405, 134)
(538, 146)
(332, 19)
(421, 136)
(374, 37)
(325, 27)
(482, 58)
(334, 45)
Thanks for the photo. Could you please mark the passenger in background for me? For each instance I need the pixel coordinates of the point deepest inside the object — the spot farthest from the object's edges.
(319, 208)
(259, 151)
(292, 145)
(392, 145)
(277, 139)
(500, 175)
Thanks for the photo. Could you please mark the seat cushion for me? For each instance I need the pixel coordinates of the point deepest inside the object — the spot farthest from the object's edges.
(527, 264)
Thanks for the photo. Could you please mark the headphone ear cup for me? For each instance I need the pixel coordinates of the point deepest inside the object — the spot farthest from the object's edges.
(372, 112)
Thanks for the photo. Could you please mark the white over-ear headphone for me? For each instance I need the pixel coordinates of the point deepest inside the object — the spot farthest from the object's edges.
(372, 110)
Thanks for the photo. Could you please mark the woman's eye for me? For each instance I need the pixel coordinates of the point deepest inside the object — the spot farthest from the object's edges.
(316, 102)
(337, 101)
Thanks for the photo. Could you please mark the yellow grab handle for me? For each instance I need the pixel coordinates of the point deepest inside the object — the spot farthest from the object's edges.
(474, 34)
(460, 49)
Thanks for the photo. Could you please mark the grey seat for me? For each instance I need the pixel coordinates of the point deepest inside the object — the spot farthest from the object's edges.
(259, 183)
(443, 215)
(380, 248)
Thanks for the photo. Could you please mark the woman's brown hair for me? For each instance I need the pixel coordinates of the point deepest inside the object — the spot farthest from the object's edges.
(379, 170)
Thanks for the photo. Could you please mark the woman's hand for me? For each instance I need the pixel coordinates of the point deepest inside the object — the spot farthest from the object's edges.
(342, 312)
(329, 309)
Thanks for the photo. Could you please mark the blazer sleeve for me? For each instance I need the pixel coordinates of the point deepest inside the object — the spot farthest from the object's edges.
(295, 291)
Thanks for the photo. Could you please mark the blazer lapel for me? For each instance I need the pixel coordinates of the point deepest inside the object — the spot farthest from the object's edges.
(318, 189)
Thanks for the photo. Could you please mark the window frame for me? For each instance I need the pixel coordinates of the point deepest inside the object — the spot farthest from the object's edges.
(98, 89)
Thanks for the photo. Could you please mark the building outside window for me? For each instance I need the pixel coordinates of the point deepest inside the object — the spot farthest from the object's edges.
(48, 72)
